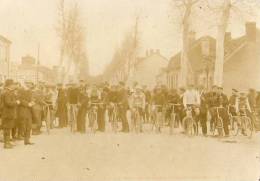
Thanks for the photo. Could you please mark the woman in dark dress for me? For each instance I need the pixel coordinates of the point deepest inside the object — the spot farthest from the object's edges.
(61, 113)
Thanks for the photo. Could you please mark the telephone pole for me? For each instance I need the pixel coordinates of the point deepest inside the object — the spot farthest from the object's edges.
(37, 65)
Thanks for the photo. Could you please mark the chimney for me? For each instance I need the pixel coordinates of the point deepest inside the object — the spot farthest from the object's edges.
(228, 36)
(192, 37)
(251, 31)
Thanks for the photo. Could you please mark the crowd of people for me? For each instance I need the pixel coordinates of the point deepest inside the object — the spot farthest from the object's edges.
(25, 107)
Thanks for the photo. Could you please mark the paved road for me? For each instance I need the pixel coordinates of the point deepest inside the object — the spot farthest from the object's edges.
(106, 156)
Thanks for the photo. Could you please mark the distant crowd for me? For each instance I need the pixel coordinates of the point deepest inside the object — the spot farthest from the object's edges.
(28, 108)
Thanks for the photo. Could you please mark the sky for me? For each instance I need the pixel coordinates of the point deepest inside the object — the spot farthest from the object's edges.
(29, 23)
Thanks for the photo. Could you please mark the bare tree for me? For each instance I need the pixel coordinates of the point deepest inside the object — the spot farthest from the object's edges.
(186, 6)
(72, 38)
(227, 7)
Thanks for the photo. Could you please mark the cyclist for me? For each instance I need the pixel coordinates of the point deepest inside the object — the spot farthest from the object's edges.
(111, 101)
(148, 97)
(173, 98)
(232, 102)
(73, 100)
(138, 102)
(158, 102)
(203, 110)
(220, 102)
(243, 107)
(95, 98)
(191, 99)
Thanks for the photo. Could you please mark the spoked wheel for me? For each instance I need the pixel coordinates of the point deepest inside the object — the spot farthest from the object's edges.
(189, 126)
(219, 127)
(234, 126)
(172, 123)
(247, 126)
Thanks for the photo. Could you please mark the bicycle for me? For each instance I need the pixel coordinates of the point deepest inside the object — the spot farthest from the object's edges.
(93, 116)
(190, 126)
(244, 124)
(233, 120)
(172, 122)
(73, 117)
(114, 117)
(157, 118)
(136, 119)
(218, 124)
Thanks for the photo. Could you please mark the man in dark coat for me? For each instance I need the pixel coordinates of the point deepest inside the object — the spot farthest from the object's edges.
(9, 103)
(62, 111)
(83, 106)
(123, 107)
(25, 111)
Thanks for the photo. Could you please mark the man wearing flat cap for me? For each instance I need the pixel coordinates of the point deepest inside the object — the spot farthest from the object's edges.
(9, 103)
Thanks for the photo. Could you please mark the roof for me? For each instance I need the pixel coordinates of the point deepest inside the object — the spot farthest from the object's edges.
(2, 38)
(195, 54)
(142, 59)
(196, 57)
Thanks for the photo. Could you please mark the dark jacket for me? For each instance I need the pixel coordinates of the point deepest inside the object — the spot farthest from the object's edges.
(9, 104)
(24, 110)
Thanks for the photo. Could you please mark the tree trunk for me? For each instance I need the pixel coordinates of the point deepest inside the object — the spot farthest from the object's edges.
(185, 45)
(220, 44)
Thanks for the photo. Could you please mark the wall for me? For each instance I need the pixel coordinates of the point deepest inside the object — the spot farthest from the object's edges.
(147, 69)
(243, 71)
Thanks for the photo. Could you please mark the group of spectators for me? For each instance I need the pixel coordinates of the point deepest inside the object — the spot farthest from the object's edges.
(25, 107)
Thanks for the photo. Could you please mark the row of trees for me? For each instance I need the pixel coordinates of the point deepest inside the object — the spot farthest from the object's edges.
(72, 35)
(125, 56)
(222, 11)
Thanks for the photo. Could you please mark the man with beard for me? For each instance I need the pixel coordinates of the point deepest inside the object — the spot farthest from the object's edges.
(9, 103)
(25, 111)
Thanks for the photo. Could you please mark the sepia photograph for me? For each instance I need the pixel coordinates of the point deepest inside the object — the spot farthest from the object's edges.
(130, 90)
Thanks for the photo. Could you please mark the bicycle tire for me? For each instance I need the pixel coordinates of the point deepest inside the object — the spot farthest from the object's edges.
(172, 123)
(248, 126)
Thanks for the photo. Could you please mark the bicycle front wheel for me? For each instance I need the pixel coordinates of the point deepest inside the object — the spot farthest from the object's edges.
(248, 126)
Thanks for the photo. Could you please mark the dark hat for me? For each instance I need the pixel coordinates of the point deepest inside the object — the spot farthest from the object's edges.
(235, 90)
(9, 82)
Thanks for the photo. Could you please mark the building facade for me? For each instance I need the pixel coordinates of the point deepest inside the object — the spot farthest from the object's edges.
(29, 71)
(241, 62)
(4, 58)
(148, 68)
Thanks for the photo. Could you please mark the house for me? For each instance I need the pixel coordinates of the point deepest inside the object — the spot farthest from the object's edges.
(241, 62)
(4, 58)
(30, 71)
(147, 68)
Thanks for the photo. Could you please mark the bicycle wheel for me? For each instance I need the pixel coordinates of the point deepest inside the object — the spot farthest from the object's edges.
(137, 122)
(248, 126)
(220, 127)
(188, 126)
(234, 126)
(172, 123)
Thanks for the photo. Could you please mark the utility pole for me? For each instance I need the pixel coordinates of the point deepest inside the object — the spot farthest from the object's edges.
(38, 63)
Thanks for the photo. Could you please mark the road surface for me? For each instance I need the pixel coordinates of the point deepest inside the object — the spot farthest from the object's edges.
(63, 156)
